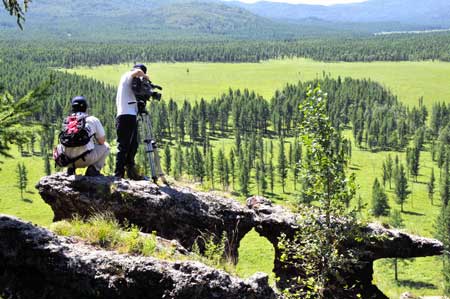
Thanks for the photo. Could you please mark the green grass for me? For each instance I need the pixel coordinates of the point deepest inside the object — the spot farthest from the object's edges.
(423, 276)
(106, 232)
(408, 80)
(32, 208)
(256, 254)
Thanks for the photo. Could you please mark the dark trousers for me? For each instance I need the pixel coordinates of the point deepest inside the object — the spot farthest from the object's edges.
(127, 131)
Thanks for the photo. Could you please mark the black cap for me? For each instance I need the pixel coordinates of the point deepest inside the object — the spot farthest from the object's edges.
(79, 104)
(141, 66)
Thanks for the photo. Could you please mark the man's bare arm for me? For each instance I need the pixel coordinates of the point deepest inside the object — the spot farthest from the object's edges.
(139, 73)
(101, 140)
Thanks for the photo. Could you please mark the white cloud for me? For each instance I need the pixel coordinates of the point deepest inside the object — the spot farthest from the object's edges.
(318, 2)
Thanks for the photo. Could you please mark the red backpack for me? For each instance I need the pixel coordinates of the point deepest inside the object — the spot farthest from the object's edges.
(74, 132)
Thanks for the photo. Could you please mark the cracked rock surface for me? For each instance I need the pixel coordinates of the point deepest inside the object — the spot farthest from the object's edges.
(35, 263)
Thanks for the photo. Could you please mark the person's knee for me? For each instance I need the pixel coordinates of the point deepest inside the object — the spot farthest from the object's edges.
(107, 148)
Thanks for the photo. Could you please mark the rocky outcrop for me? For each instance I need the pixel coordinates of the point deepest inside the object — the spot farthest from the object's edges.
(34, 263)
(177, 213)
(379, 243)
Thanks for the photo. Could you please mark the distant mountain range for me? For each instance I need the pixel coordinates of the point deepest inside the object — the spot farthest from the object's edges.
(206, 19)
(415, 12)
(146, 20)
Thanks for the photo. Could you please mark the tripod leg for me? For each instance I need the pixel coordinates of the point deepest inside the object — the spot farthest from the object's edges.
(156, 166)
(149, 145)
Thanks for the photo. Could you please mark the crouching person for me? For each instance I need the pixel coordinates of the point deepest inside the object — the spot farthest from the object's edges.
(82, 141)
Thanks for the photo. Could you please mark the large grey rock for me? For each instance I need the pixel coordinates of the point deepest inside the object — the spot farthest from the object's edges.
(34, 263)
(177, 213)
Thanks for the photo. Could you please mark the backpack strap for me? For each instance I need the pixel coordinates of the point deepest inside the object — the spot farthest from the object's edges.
(82, 156)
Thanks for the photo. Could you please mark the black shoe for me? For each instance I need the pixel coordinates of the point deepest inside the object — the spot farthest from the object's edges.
(133, 174)
(70, 171)
(119, 173)
(92, 171)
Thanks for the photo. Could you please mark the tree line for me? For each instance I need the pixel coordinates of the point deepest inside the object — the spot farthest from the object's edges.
(405, 47)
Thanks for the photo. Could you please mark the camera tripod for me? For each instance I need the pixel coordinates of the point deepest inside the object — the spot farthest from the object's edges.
(151, 148)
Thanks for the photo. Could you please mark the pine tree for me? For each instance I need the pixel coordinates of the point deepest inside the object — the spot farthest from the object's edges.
(22, 178)
(443, 234)
(271, 175)
(290, 155)
(14, 121)
(442, 155)
(271, 149)
(47, 166)
(232, 167)
(179, 162)
(243, 175)
(296, 162)
(198, 164)
(258, 177)
(15, 8)
(188, 163)
(167, 158)
(396, 167)
(390, 170)
(282, 165)
(227, 174)
(401, 187)
(431, 185)
(413, 160)
(210, 166)
(221, 167)
(359, 205)
(445, 182)
(380, 206)
(385, 174)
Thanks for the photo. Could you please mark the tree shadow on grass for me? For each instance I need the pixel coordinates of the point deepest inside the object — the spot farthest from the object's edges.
(413, 213)
(416, 284)
(273, 196)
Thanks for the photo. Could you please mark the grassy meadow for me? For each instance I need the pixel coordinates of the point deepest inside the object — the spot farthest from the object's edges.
(32, 207)
(409, 80)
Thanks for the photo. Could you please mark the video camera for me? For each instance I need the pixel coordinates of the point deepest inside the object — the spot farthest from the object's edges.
(143, 90)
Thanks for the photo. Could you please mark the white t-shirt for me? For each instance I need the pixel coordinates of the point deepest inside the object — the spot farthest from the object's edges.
(125, 95)
(95, 129)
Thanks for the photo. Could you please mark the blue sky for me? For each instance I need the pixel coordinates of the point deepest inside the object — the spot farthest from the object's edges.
(321, 2)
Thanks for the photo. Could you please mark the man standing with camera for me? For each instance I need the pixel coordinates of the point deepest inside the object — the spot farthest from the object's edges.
(126, 124)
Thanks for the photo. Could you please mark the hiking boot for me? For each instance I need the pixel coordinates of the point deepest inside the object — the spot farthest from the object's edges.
(119, 175)
(133, 173)
(92, 171)
(70, 171)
